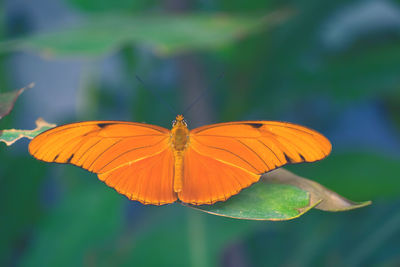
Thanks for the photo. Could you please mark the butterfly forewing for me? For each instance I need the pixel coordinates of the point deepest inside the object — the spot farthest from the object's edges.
(260, 146)
(133, 158)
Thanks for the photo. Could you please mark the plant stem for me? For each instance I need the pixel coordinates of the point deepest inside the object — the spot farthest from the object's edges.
(197, 239)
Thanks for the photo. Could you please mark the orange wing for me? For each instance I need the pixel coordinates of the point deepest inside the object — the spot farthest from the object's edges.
(224, 158)
(133, 158)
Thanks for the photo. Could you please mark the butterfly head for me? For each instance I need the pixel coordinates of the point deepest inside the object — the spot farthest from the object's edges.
(179, 121)
(179, 134)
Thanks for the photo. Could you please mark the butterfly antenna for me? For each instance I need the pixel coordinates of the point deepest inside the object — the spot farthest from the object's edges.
(155, 95)
(203, 93)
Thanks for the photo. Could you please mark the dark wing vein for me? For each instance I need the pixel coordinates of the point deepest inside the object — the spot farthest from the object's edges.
(89, 148)
(260, 141)
(236, 155)
(102, 153)
(252, 150)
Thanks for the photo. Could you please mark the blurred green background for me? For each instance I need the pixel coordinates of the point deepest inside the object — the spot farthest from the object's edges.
(333, 66)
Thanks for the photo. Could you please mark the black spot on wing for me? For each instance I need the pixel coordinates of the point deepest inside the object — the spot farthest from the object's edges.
(103, 125)
(255, 125)
(289, 159)
(55, 158)
(69, 159)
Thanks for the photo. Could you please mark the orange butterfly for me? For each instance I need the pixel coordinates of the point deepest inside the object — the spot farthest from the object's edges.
(158, 166)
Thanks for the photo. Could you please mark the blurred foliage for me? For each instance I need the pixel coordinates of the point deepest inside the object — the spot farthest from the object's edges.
(88, 229)
(165, 34)
(108, 6)
(20, 204)
(326, 57)
(359, 238)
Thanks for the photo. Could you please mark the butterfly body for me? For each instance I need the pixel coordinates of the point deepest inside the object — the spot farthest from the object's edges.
(158, 166)
(179, 142)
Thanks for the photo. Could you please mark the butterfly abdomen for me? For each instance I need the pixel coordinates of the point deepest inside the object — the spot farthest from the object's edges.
(179, 143)
(178, 173)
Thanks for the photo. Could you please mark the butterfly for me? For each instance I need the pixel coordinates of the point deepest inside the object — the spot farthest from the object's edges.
(154, 165)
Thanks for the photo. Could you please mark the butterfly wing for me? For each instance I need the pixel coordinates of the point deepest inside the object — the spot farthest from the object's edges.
(133, 158)
(208, 180)
(224, 158)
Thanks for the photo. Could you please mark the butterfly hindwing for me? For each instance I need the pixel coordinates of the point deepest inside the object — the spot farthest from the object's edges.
(149, 180)
(207, 180)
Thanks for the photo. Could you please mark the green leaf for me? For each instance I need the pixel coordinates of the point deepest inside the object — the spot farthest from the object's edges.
(7, 100)
(281, 195)
(262, 202)
(164, 34)
(11, 136)
(327, 200)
